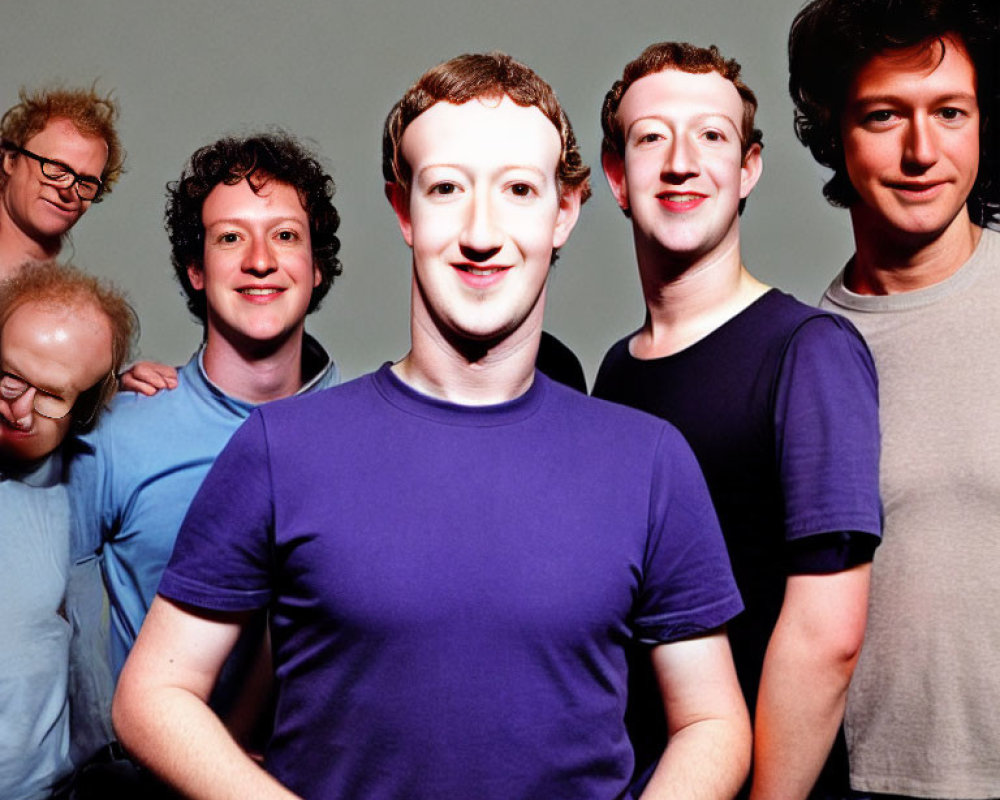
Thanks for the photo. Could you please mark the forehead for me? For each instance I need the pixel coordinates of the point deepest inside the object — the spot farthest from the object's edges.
(482, 133)
(233, 202)
(60, 140)
(673, 93)
(65, 347)
(940, 66)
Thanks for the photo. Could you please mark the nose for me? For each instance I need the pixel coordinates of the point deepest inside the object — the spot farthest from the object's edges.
(680, 160)
(480, 239)
(920, 150)
(259, 259)
(22, 409)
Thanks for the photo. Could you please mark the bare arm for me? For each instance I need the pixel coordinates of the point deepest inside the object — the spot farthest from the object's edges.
(148, 377)
(708, 746)
(161, 712)
(803, 689)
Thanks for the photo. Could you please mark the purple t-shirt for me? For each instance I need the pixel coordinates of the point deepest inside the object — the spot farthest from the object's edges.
(452, 588)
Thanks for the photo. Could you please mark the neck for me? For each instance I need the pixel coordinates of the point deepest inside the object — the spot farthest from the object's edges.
(255, 372)
(890, 264)
(471, 372)
(686, 301)
(17, 247)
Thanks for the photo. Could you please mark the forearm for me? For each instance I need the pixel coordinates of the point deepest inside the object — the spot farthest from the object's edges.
(177, 736)
(803, 688)
(706, 761)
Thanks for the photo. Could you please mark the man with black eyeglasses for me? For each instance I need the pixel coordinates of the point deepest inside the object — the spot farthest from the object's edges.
(62, 336)
(59, 152)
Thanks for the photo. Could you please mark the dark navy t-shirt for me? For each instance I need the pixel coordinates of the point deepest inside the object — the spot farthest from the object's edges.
(780, 405)
(452, 589)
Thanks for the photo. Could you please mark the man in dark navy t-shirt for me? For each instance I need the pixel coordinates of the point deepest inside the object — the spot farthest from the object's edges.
(455, 551)
(777, 400)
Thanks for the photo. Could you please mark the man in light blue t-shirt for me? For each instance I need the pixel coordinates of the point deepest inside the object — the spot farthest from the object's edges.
(254, 246)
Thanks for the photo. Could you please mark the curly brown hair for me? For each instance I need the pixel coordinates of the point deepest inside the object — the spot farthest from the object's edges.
(90, 113)
(60, 285)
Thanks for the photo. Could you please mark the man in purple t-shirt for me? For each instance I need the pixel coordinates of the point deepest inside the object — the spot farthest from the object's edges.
(777, 400)
(455, 550)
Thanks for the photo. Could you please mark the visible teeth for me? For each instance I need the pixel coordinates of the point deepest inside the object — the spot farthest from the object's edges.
(476, 271)
(259, 292)
(682, 198)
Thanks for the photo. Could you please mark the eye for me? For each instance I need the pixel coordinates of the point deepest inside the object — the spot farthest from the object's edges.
(646, 138)
(444, 188)
(714, 136)
(879, 116)
(951, 114)
(522, 189)
(229, 238)
(287, 236)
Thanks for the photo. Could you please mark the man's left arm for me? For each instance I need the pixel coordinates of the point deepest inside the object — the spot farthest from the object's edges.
(708, 747)
(828, 451)
(809, 662)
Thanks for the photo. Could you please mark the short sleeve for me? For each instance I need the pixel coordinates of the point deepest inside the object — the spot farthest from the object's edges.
(221, 560)
(688, 586)
(827, 432)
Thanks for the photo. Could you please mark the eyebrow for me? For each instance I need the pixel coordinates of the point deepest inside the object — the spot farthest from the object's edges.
(242, 221)
(464, 168)
(696, 118)
(890, 99)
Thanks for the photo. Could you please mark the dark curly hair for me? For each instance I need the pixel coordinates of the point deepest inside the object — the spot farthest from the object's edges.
(256, 158)
(469, 77)
(830, 40)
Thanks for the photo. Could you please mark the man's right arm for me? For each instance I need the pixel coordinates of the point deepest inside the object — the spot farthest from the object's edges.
(161, 712)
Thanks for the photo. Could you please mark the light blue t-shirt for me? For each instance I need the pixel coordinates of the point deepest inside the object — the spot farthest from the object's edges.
(34, 632)
(137, 473)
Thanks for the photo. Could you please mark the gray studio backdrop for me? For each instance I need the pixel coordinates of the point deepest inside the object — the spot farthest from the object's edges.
(187, 71)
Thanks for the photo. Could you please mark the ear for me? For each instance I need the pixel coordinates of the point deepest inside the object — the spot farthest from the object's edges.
(399, 199)
(614, 171)
(7, 161)
(197, 277)
(750, 172)
(317, 275)
(569, 212)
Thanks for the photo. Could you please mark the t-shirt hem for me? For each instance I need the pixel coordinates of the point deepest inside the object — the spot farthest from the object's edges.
(194, 593)
(674, 627)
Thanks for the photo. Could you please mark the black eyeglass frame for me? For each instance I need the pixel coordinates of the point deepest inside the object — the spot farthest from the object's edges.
(64, 171)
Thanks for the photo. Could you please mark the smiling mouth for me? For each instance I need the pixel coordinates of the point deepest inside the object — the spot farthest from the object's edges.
(471, 270)
(258, 292)
(686, 197)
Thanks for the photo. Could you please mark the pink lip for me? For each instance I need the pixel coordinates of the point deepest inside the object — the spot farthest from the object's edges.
(475, 281)
(916, 190)
(11, 432)
(680, 206)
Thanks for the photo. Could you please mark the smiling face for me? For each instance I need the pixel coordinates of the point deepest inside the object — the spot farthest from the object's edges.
(483, 215)
(684, 172)
(911, 140)
(258, 272)
(61, 352)
(43, 211)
